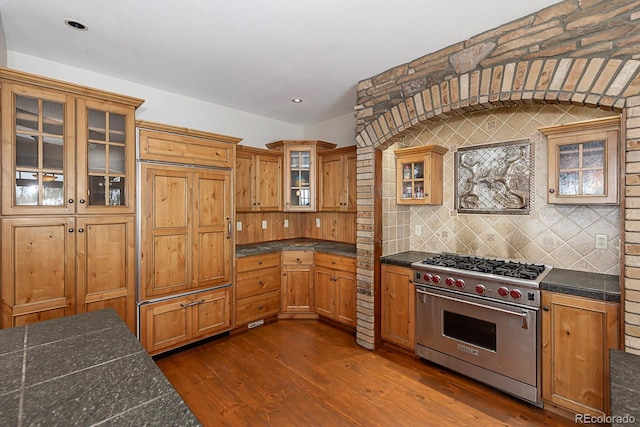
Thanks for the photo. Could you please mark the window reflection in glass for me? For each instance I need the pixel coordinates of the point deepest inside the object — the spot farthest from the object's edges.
(97, 190)
(116, 191)
(26, 188)
(52, 190)
(26, 151)
(52, 152)
(97, 157)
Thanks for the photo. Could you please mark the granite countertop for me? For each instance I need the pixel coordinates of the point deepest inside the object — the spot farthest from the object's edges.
(604, 287)
(624, 378)
(405, 259)
(337, 248)
(82, 370)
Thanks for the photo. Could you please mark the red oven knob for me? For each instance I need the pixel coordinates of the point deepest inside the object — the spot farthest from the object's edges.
(459, 283)
(435, 278)
(427, 277)
(503, 291)
(481, 289)
(515, 294)
(450, 281)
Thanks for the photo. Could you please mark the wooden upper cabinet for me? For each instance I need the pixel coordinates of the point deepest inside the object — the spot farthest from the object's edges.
(337, 183)
(300, 184)
(63, 150)
(419, 175)
(173, 144)
(258, 182)
(583, 162)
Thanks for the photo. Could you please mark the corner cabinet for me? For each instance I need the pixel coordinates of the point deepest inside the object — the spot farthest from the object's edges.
(337, 183)
(300, 184)
(419, 175)
(297, 285)
(583, 162)
(258, 182)
(398, 306)
(68, 200)
(577, 334)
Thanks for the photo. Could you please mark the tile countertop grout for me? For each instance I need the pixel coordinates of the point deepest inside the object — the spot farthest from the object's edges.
(597, 286)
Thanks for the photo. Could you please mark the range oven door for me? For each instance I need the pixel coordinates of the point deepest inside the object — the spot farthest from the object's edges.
(498, 337)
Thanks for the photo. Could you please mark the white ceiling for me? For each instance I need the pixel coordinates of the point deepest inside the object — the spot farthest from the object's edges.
(251, 55)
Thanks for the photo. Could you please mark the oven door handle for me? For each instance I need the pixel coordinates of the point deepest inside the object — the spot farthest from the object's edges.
(524, 315)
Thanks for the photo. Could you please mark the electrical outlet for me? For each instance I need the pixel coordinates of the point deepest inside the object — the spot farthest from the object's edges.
(239, 226)
(264, 224)
(317, 222)
(286, 223)
(418, 229)
(601, 241)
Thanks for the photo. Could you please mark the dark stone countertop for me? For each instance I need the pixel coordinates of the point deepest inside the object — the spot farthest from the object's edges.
(82, 370)
(624, 378)
(604, 287)
(337, 248)
(405, 259)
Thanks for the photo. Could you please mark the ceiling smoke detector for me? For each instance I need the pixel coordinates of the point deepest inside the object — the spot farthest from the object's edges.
(75, 24)
(296, 100)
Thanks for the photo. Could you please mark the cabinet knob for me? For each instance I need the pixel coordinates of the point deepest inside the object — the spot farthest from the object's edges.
(80, 230)
(254, 203)
(297, 259)
(260, 307)
(259, 262)
(545, 308)
(71, 201)
(333, 262)
(551, 190)
(258, 203)
(81, 201)
(259, 282)
(71, 230)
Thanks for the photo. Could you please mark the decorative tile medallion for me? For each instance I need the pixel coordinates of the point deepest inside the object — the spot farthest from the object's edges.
(494, 178)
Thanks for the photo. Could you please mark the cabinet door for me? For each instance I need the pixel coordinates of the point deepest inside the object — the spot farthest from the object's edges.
(105, 158)
(345, 305)
(577, 334)
(164, 325)
(350, 176)
(244, 174)
(297, 289)
(269, 183)
(106, 265)
(38, 269)
(398, 305)
(332, 184)
(38, 136)
(211, 314)
(166, 222)
(300, 178)
(212, 228)
(324, 292)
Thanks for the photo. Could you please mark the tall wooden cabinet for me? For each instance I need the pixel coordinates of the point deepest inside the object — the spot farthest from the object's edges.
(186, 249)
(398, 305)
(258, 182)
(337, 183)
(68, 199)
(577, 334)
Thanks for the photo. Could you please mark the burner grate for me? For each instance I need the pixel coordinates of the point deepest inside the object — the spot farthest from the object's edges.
(499, 267)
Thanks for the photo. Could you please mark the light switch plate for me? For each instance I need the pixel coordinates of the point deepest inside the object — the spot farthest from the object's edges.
(264, 224)
(317, 222)
(418, 229)
(286, 223)
(239, 226)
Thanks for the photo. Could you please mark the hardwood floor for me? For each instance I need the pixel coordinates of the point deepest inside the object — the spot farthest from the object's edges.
(308, 373)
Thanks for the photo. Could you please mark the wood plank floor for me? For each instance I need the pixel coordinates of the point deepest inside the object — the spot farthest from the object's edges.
(308, 373)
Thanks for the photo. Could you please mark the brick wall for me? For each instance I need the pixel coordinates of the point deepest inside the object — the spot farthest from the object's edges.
(579, 52)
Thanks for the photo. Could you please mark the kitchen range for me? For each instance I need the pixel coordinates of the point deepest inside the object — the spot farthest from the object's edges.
(480, 317)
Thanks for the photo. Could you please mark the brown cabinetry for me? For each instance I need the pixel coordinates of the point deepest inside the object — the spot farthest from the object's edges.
(297, 284)
(337, 183)
(68, 152)
(583, 162)
(398, 305)
(258, 180)
(419, 175)
(257, 287)
(577, 334)
(335, 287)
(178, 321)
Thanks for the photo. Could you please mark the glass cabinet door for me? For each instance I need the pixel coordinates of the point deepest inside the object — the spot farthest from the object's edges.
(412, 180)
(35, 128)
(582, 168)
(300, 178)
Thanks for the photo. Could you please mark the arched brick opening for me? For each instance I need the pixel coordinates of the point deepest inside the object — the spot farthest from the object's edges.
(610, 84)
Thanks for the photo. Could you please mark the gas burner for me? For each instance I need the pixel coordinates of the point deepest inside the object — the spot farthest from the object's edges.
(505, 268)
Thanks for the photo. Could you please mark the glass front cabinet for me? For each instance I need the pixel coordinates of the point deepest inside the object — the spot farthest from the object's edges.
(583, 162)
(419, 175)
(63, 154)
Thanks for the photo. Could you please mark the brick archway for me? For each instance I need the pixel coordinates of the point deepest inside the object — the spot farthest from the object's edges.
(610, 84)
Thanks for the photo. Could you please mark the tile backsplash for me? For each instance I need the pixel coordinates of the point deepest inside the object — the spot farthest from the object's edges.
(559, 235)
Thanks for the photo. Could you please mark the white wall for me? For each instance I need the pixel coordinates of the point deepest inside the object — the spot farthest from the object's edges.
(173, 109)
(3, 47)
(340, 130)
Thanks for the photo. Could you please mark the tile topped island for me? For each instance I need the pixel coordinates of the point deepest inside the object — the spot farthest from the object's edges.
(83, 370)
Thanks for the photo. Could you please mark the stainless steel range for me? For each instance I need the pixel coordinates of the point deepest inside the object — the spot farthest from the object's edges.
(480, 317)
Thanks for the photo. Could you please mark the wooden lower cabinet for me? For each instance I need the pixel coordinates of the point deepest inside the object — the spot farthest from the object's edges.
(257, 287)
(335, 288)
(172, 323)
(297, 284)
(577, 334)
(398, 306)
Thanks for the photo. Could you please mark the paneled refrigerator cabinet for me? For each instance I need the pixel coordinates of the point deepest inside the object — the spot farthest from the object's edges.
(186, 235)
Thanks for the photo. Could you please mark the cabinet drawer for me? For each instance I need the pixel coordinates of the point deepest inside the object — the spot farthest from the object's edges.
(257, 282)
(336, 262)
(255, 262)
(257, 307)
(297, 257)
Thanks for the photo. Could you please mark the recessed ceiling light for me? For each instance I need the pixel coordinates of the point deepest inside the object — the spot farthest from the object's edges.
(76, 25)
(296, 100)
